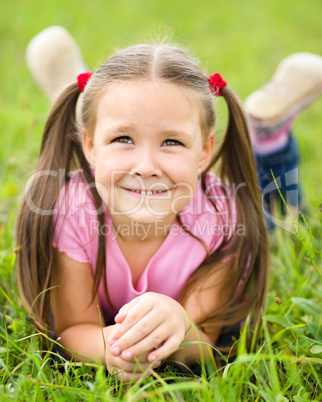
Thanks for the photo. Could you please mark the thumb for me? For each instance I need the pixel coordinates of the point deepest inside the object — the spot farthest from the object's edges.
(124, 310)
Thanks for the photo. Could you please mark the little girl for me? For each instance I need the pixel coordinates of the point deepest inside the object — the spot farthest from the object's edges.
(128, 245)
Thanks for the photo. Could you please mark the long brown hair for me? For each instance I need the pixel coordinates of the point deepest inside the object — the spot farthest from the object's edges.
(61, 149)
(246, 277)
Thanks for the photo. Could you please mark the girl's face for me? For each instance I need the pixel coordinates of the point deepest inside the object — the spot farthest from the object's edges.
(147, 150)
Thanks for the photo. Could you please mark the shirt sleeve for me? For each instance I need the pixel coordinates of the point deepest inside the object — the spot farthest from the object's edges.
(75, 224)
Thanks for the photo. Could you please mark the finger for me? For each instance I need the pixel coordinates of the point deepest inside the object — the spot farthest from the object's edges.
(129, 376)
(165, 350)
(124, 310)
(121, 364)
(147, 344)
(117, 330)
(142, 358)
(133, 368)
(111, 339)
(146, 333)
(133, 316)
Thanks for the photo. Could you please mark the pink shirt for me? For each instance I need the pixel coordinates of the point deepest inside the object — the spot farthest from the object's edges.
(76, 234)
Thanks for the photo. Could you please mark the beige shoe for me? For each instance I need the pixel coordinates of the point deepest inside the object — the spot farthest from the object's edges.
(294, 85)
(54, 60)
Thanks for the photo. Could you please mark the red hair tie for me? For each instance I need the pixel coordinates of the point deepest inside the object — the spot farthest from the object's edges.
(82, 80)
(216, 84)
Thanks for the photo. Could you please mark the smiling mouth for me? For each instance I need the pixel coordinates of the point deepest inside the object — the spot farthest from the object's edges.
(147, 192)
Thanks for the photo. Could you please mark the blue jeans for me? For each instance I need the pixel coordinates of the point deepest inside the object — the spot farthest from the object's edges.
(284, 165)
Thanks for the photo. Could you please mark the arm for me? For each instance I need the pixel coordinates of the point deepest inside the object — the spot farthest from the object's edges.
(77, 320)
(203, 301)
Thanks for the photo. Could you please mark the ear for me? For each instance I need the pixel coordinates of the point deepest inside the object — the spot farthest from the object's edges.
(207, 152)
(88, 148)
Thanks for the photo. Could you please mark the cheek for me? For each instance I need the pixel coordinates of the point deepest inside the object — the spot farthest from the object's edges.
(186, 188)
(187, 170)
(103, 189)
(112, 160)
(103, 178)
(107, 176)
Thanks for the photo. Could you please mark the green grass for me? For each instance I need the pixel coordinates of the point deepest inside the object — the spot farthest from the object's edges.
(244, 41)
(286, 363)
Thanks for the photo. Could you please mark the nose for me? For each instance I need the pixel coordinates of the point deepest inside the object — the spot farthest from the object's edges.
(146, 164)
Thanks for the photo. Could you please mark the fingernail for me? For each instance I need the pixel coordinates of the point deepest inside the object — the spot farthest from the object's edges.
(156, 364)
(128, 355)
(116, 350)
(112, 341)
(152, 358)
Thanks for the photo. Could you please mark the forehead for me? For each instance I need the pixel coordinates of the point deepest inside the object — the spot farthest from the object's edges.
(150, 103)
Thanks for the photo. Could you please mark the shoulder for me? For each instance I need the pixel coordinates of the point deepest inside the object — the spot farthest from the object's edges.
(74, 192)
(76, 196)
(76, 201)
(75, 219)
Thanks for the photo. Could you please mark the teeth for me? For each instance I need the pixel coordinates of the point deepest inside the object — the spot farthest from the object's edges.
(148, 192)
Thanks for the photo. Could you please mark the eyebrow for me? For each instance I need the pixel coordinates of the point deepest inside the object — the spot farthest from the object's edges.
(131, 128)
(119, 129)
(177, 133)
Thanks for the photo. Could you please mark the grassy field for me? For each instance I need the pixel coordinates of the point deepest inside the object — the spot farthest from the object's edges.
(244, 41)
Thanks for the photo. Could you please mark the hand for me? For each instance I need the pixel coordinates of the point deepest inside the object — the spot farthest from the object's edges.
(152, 324)
(129, 370)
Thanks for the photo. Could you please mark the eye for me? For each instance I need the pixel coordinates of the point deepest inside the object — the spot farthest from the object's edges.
(124, 138)
(171, 142)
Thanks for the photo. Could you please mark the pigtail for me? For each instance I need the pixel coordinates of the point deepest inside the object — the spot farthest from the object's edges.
(243, 257)
(238, 166)
(61, 151)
